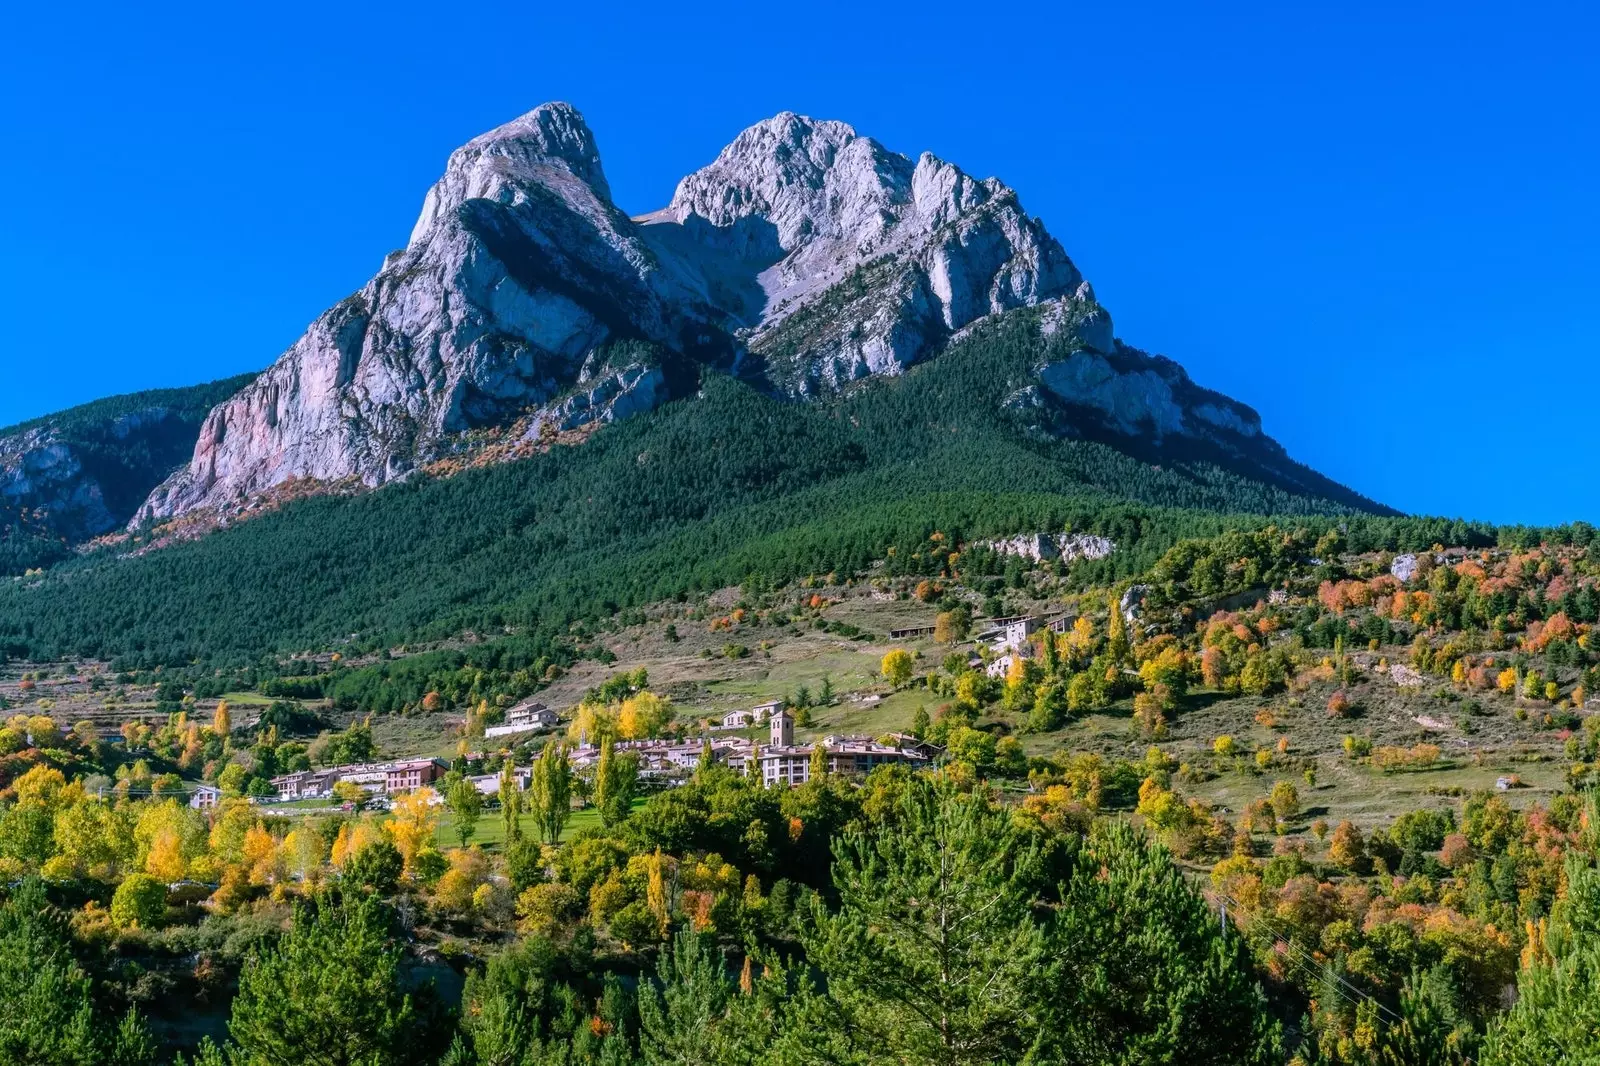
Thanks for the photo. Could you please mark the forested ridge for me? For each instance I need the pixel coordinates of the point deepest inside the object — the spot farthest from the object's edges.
(123, 445)
(708, 491)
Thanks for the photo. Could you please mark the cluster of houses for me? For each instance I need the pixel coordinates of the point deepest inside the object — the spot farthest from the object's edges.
(754, 716)
(1011, 639)
(377, 777)
(780, 761)
(787, 763)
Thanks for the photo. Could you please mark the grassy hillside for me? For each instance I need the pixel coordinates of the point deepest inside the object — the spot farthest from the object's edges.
(725, 487)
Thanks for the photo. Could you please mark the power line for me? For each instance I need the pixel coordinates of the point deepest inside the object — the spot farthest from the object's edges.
(1299, 954)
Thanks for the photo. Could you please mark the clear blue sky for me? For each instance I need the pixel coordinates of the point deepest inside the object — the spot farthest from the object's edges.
(1376, 224)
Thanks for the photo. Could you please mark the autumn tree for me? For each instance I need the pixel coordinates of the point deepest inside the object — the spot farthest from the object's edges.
(1117, 645)
(897, 666)
(1347, 848)
(951, 627)
(412, 824)
(1285, 801)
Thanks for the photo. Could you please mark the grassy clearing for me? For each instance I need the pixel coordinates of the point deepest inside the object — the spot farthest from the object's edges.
(490, 832)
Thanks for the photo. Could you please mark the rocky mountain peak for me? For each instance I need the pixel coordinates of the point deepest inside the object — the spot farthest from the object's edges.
(804, 257)
(550, 146)
(808, 179)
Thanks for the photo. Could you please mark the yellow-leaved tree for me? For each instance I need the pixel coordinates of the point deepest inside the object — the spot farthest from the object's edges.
(304, 853)
(643, 715)
(261, 856)
(412, 823)
(897, 666)
(352, 838)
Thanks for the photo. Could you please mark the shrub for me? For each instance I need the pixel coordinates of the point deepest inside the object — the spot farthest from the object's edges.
(140, 902)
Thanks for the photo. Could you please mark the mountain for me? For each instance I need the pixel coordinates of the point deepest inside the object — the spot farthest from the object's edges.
(803, 259)
(815, 357)
(80, 473)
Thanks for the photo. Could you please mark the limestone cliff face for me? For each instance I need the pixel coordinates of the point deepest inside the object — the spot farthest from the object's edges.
(862, 261)
(805, 257)
(519, 273)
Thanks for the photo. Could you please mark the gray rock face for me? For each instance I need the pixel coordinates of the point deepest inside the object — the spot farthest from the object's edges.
(42, 474)
(519, 270)
(77, 474)
(861, 260)
(1122, 390)
(1045, 547)
(804, 257)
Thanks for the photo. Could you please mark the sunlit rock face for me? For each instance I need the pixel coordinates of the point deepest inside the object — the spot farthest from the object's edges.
(804, 257)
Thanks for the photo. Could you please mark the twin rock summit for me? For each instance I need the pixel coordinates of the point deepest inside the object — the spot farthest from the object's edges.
(804, 258)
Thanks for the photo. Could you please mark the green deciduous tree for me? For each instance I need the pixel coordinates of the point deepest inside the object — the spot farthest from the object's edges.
(550, 791)
(616, 781)
(139, 901)
(466, 805)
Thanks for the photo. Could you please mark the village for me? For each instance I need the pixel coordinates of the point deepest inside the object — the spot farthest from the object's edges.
(662, 762)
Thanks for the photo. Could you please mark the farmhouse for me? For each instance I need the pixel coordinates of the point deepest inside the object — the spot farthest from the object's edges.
(413, 773)
(754, 716)
(528, 716)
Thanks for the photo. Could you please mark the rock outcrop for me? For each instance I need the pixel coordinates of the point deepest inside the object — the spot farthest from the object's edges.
(73, 476)
(805, 256)
(42, 479)
(520, 271)
(1047, 547)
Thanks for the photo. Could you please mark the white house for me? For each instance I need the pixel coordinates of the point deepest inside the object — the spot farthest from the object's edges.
(489, 784)
(205, 797)
(1013, 636)
(528, 716)
(737, 719)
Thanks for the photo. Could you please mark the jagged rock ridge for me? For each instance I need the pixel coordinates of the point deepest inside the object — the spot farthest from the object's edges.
(804, 257)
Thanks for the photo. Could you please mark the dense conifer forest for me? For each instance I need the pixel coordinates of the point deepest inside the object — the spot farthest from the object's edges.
(722, 488)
